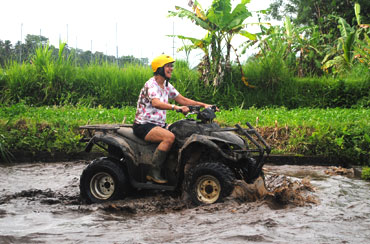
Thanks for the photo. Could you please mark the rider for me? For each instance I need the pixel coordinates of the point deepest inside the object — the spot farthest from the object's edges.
(150, 120)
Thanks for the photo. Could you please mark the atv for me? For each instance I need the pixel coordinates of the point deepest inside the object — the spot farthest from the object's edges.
(204, 160)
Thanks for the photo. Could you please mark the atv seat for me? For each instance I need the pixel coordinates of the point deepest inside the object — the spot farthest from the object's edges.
(127, 132)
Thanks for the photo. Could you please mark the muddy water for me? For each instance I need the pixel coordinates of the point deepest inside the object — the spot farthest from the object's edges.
(39, 203)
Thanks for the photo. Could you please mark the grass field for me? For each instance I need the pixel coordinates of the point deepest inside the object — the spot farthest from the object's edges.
(338, 133)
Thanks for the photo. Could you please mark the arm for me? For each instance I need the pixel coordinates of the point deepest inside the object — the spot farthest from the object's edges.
(163, 106)
(180, 99)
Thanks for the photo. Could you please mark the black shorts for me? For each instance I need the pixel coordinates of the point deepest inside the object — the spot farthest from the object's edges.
(141, 130)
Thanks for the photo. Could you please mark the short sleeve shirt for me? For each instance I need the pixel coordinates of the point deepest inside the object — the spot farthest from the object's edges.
(145, 112)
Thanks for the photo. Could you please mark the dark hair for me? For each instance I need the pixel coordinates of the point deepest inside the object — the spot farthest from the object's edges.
(160, 71)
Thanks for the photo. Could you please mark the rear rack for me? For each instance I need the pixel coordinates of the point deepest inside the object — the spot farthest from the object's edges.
(103, 127)
(100, 127)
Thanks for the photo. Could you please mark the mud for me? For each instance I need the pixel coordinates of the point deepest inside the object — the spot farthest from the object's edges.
(40, 203)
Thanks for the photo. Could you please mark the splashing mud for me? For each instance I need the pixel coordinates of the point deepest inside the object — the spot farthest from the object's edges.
(340, 171)
(40, 203)
(277, 190)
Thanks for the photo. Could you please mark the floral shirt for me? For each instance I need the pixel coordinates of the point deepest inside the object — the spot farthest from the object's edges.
(145, 112)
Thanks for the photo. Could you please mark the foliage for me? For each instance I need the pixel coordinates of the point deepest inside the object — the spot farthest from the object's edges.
(269, 69)
(350, 46)
(51, 129)
(23, 52)
(342, 134)
(50, 80)
(365, 174)
(295, 48)
(5, 155)
(56, 82)
(330, 28)
(304, 43)
(311, 12)
(222, 23)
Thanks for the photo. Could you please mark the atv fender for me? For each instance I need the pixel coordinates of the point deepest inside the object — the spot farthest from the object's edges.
(209, 142)
(113, 140)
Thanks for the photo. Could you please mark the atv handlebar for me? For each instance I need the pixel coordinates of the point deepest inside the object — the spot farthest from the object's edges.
(195, 109)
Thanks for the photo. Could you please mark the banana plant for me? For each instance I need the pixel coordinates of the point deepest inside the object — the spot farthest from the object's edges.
(347, 45)
(222, 23)
(362, 50)
(202, 44)
(298, 44)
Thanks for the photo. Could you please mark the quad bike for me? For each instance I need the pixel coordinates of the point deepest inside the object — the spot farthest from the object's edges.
(204, 160)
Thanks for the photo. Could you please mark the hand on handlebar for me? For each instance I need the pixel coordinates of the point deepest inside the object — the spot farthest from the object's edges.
(213, 107)
(194, 109)
(183, 109)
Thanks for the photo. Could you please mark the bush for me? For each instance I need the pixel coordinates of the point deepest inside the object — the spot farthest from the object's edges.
(341, 134)
(46, 81)
(365, 173)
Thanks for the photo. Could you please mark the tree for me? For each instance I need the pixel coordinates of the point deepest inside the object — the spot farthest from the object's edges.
(5, 51)
(32, 42)
(23, 52)
(7, 48)
(320, 13)
(222, 23)
(352, 46)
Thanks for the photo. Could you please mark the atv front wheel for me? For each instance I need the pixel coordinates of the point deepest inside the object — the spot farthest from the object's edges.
(102, 181)
(208, 183)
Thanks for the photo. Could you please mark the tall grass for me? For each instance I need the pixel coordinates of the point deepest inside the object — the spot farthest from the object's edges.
(110, 85)
(48, 81)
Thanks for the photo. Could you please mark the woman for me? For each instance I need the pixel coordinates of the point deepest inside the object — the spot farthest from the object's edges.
(150, 119)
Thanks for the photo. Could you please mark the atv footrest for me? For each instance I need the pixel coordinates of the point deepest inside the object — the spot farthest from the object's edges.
(153, 186)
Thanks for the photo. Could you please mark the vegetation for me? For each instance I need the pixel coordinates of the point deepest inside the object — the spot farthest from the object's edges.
(307, 88)
(49, 80)
(365, 173)
(287, 70)
(319, 13)
(221, 23)
(354, 43)
(341, 134)
(23, 52)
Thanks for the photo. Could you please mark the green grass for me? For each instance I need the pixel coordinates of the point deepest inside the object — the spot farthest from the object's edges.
(365, 173)
(336, 133)
(48, 81)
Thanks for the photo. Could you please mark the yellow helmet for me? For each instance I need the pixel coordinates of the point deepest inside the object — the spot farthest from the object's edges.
(160, 61)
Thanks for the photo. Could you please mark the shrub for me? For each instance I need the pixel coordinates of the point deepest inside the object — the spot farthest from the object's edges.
(365, 173)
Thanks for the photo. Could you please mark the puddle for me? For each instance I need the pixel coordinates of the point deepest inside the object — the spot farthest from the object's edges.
(39, 203)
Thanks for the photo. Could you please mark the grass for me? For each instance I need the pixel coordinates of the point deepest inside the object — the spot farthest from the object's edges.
(47, 81)
(365, 173)
(337, 133)
(44, 102)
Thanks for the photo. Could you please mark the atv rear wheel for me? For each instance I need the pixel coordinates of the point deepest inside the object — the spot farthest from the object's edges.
(102, 181)
(207, 183)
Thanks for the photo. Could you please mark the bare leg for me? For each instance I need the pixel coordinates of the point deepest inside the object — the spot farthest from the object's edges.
(165, 139)
(163, 136)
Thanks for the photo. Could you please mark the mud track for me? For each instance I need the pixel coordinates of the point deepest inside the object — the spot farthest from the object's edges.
(40, 203)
